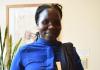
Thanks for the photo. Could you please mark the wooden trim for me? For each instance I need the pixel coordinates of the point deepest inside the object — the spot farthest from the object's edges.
(22, 5)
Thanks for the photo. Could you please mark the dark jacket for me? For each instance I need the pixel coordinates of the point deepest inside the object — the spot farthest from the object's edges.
(69, 58)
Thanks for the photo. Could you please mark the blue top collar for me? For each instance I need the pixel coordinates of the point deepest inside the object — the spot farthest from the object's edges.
(45, 42)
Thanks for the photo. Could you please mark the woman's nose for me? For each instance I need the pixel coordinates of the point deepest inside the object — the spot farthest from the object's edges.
(51, 26)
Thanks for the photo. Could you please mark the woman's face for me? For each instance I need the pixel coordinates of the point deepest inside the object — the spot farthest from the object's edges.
(49, 24)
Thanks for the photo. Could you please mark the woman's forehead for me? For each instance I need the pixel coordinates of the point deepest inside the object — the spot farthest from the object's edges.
(53, 12)
(50, 12)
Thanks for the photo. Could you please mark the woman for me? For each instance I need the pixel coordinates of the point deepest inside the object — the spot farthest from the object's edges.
(45, 51)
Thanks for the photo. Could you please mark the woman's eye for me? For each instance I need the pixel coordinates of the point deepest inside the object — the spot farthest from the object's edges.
(56, 22)
(45, 22)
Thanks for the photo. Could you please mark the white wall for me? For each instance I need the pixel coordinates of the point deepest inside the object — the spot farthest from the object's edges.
(80, 25)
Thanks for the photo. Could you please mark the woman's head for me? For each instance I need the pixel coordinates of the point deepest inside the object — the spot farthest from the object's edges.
(46, 6)
(48, 20)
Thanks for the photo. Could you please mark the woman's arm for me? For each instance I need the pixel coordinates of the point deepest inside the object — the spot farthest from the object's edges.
(16, 62)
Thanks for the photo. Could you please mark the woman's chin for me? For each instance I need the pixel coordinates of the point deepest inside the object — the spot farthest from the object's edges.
(50, 37)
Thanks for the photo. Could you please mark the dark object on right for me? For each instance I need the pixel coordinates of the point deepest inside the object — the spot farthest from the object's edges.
(69, 58)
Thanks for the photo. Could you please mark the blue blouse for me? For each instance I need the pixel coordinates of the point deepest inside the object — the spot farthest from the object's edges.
(40, 55)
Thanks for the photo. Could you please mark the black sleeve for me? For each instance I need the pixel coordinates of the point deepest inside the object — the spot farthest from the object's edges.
(72, 57)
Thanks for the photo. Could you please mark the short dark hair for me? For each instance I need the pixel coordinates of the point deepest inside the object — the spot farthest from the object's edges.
(45, 6)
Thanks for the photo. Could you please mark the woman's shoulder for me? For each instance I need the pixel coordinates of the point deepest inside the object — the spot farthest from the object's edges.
(27, 46)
